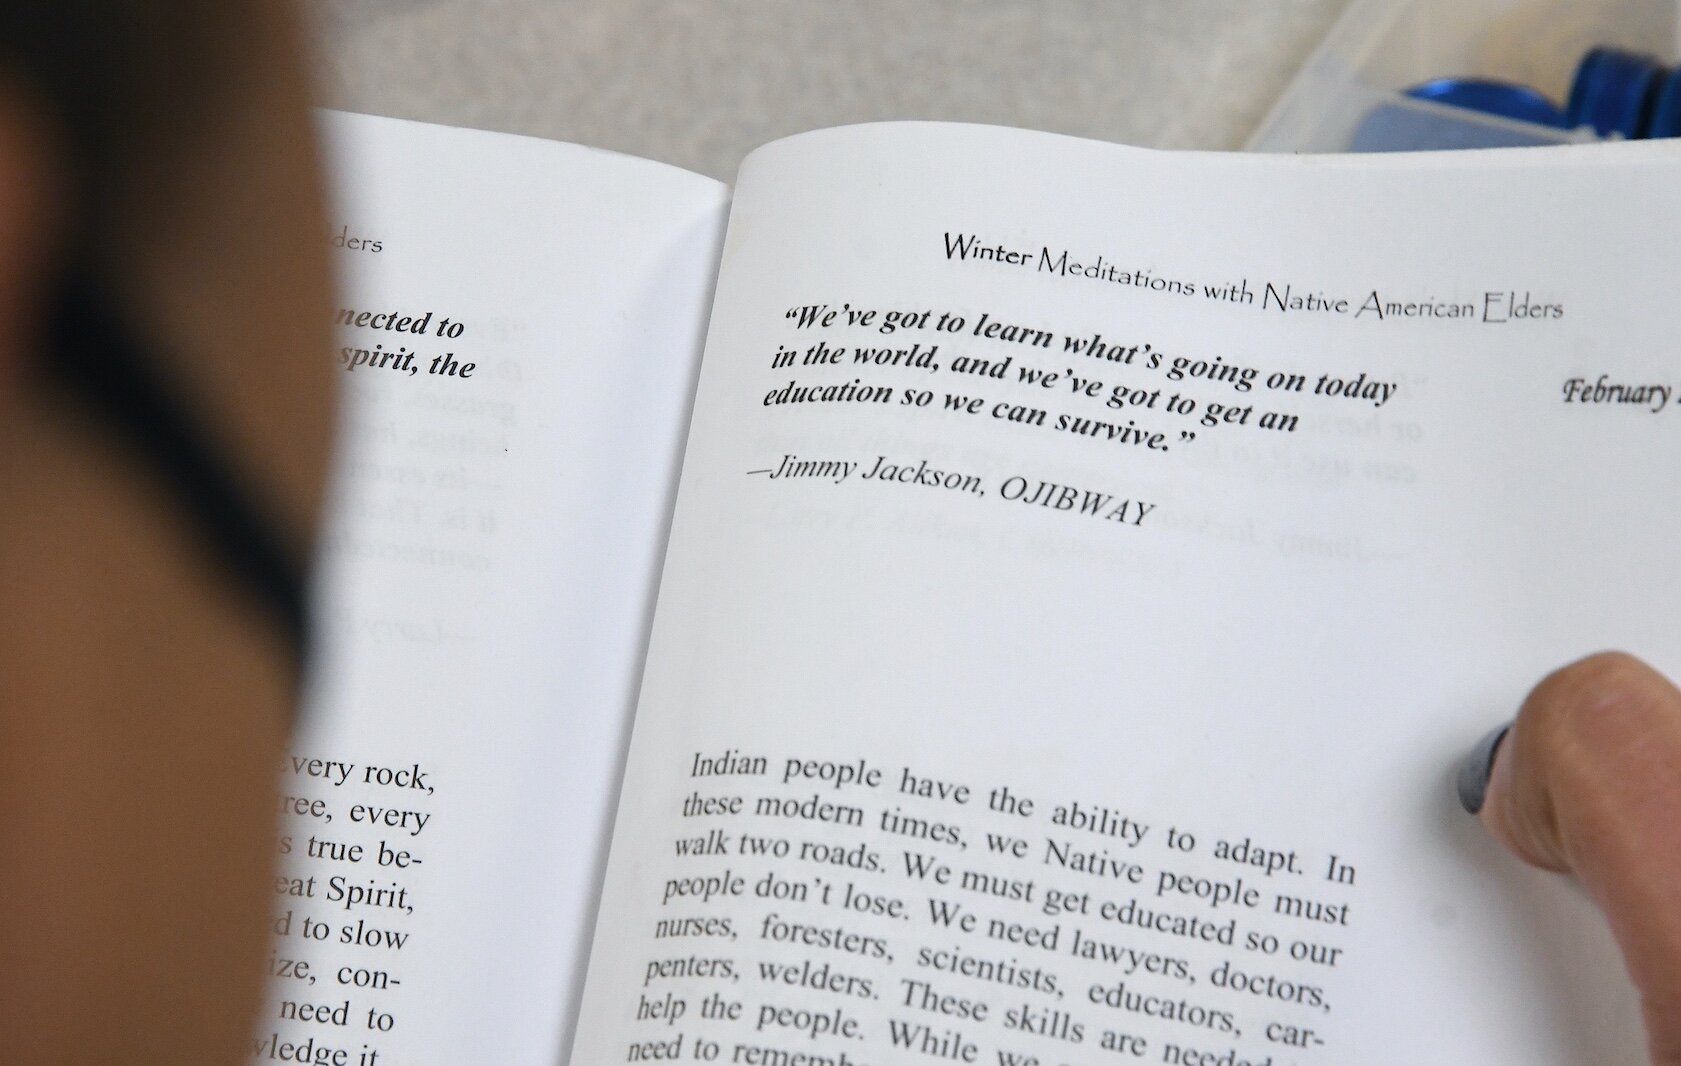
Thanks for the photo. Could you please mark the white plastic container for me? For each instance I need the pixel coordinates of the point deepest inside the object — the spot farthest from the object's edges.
(1350, 93)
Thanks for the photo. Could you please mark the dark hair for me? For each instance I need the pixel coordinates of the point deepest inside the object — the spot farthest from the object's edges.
(119, 79)
(127, 85)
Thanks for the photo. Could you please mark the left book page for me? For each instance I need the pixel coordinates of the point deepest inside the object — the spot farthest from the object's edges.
(519, 324)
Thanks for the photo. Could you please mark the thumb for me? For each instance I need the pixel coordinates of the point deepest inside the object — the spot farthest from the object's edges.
(1588, 782)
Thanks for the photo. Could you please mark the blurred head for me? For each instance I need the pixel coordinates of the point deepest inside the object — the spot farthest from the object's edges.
(162, 148)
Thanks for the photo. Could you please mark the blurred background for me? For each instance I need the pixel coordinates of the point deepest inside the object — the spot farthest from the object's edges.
(699, 83)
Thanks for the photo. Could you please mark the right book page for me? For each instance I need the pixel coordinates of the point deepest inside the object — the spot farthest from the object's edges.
(1089, 565)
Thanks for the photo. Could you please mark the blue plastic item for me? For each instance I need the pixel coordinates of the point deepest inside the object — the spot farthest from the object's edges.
(1613, 92)
(1666, 108)
(1392, 128)
(1501, 98)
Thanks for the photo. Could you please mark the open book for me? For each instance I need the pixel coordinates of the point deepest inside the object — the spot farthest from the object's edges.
(1085, 567)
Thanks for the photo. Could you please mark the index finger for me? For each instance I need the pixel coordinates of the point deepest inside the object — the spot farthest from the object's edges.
(1588, 782)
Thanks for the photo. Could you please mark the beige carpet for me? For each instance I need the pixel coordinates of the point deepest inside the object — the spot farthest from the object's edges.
(699, 84)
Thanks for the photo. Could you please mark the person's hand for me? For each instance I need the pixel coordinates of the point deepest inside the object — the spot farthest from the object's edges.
(1588, 782)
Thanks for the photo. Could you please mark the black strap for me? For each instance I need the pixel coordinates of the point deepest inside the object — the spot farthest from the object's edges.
(97, 358)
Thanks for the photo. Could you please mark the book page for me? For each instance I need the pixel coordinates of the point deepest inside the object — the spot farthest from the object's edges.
(1090, 565)
(520, 323)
